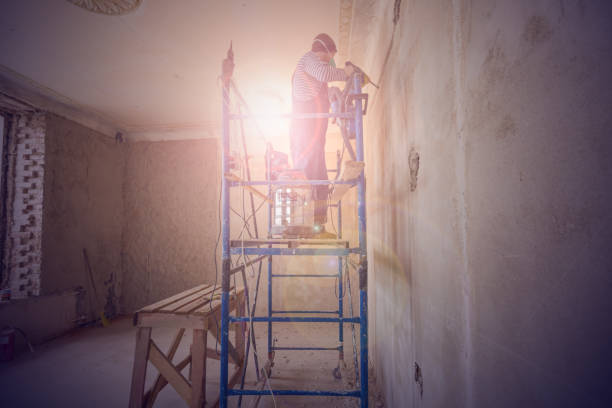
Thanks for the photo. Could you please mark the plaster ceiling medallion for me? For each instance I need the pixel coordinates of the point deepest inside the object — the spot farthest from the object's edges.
(109, 7)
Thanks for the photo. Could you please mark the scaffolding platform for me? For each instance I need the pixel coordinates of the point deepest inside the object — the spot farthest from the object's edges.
(351, 175)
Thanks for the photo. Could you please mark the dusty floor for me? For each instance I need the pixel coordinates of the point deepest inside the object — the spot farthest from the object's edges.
(92, 367)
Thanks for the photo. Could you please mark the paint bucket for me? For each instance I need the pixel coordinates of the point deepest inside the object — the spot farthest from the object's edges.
(7, 344)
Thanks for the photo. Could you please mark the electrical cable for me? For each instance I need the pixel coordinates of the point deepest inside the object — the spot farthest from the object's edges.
(215, 259)
(244, 259)
(350, 298)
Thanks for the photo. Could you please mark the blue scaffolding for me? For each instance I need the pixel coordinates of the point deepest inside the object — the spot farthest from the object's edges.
(268, 248)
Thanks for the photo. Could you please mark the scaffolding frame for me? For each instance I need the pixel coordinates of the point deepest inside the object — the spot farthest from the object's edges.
(266, 249)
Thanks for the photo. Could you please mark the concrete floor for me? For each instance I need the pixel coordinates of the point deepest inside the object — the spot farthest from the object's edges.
(92, 367)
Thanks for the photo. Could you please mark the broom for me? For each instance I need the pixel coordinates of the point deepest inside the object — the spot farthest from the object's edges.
(103, 318)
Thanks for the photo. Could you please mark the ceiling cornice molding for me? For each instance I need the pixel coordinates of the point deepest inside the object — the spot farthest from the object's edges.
(18, 93)
(25, 90)
(173, 131)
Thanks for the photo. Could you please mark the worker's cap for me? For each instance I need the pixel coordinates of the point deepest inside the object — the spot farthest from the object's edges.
(323, 43)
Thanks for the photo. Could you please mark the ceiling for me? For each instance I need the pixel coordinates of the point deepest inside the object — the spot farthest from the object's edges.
(152, 73)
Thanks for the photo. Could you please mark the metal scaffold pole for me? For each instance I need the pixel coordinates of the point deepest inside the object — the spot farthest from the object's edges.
(363, 268)
(227, 70)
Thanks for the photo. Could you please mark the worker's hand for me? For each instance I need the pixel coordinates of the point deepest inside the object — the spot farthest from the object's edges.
(348, 69)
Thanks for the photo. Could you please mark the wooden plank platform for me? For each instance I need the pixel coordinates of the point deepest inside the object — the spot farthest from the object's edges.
(350, 171)
(199, 309)
(289, 243)
(234, 177)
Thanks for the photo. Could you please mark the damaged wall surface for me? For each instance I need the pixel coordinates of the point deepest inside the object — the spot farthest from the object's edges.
(144, 212)
(490, 271)
(171, 192)
(83, 209)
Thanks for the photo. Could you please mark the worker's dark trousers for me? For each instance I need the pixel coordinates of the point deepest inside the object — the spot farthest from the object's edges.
(308, 148)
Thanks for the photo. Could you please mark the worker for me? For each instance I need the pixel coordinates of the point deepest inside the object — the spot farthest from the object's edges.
(307, 136)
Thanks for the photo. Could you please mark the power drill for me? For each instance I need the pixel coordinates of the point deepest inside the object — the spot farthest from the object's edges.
(366, 78)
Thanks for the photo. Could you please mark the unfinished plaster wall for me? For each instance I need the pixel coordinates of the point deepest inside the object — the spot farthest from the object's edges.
(488, 174)
(170, 227)
(83, 209)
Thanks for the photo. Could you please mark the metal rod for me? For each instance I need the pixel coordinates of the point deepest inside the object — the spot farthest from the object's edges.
(253, 312)
(361, 211)
(305, 311)
(269, 183)
(296, 319)
(348, 393)
(291, 182)
(297, 251)
(288, 275)
(290, 243)
(306, 348)
(340, 288)
(340, 311)
(344, 115)
(363, 344)
(251, 262)
(225, 248)
(246, 288)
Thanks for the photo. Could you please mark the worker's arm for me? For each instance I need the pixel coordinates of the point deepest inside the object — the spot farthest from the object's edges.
(322, 71)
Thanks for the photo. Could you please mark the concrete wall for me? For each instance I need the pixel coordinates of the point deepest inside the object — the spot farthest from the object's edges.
(490, 137)
(83, 209)
(170, 223)
(58, 309)
(144, 212)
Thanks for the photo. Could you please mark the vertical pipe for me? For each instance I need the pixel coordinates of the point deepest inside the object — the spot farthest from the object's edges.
(363, 344)
(270, 307)
(360, 157)
(340, 311)
(225, 270)
(340, 288)
(269, 178)
(363, 269)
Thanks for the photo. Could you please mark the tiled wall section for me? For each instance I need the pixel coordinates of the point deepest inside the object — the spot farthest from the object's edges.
(25, 200)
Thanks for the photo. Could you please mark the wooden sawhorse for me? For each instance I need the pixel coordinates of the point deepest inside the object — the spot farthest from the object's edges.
(192, 309)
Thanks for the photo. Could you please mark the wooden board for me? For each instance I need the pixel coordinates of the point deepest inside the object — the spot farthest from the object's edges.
(139, 372)
(350, 171)
(197, 301)
(160, 381)
(168, 301)
(233, 177)
(152, 394)
(290, 243)
(198, 368)
(170, 373)
(169, 320)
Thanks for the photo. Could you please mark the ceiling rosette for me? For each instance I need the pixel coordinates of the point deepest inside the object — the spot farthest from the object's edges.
(108, 7)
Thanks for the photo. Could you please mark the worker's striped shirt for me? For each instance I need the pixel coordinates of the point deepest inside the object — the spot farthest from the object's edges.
(311, 74)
